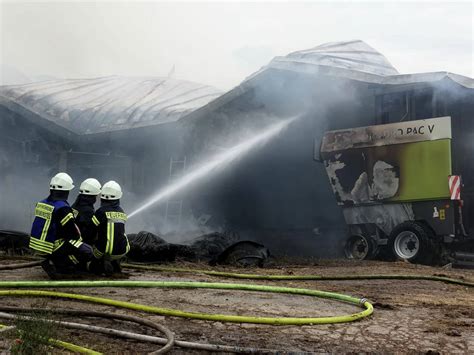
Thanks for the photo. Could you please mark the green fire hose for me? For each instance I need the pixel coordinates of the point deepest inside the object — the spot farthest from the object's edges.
(300, 277)
(68, 346)
(368, 308)
(178, 313)
(275, 277)
(193, 285)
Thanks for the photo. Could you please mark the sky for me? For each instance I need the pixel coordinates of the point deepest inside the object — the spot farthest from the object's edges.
(221, 43)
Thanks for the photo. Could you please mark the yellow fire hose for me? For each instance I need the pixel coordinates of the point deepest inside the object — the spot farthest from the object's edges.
(300, 277)
(68, 346)
(275, 277)
(168, 341)
(178, 313)
(226, 286)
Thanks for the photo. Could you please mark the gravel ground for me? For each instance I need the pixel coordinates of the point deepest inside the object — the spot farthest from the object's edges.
(409, 316)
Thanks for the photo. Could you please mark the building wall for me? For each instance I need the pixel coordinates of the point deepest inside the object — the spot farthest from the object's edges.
(279, 189)
(278, 194)
(442, 98)
(28, 157)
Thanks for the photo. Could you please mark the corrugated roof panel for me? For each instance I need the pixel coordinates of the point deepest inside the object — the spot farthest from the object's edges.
(103, 104)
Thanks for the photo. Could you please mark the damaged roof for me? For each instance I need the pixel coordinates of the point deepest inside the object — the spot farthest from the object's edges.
(352, 55)
(356, 60)
(353, 60)
(86, 106)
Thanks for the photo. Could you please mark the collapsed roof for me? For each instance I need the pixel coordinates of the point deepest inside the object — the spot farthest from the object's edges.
(86, 106)
(356, 60)
(352, 60)
(353, 55)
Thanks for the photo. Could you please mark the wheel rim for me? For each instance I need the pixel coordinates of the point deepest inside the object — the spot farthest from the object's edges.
(407, 245)
(357, 247)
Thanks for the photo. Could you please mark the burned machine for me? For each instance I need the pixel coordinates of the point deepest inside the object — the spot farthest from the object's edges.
(399, 195)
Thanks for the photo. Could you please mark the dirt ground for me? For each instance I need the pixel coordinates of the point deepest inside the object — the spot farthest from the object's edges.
(409, 316)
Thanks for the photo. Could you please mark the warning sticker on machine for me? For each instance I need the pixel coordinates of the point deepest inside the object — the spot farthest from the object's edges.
(442, 214)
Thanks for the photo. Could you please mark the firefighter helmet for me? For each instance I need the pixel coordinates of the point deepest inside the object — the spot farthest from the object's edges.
(111, 191)
(90, 186)
(61, 182)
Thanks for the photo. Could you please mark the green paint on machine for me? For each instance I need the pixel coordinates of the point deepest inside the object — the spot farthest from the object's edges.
(402, 162)
(424, 171)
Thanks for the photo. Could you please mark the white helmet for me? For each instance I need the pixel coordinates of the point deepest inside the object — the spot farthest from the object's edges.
(62, 182)
(111, 191)
(90, 186)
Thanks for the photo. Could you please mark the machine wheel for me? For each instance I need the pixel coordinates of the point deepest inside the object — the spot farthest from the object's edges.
(412, 241)
(359, 247)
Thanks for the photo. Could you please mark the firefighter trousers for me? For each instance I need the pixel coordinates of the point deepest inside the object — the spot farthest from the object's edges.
(70, 258)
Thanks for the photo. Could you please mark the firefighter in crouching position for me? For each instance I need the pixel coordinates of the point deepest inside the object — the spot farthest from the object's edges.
(83, 209)
(54, 233)
(112, 243)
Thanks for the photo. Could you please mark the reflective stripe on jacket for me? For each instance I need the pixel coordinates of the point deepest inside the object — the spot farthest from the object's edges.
(44, 231)
(111, 238)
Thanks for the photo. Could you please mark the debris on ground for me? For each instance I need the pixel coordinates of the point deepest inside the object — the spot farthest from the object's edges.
(14, 242)
(215, 248)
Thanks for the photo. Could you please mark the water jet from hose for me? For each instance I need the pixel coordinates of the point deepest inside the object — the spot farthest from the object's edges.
(214, 163)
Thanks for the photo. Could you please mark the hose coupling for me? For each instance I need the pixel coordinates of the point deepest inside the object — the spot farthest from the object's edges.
(362, 301)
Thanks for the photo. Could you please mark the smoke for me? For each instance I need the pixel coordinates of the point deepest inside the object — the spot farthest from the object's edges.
(214, 162)
(276, 194)
(19, 191)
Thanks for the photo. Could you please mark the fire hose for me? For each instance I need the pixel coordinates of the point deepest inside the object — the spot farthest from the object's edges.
(19, 266)
(168, 342)
(134, 336)
(300, 277)
(191, 285)
(60, 344)
(274, 277)
(216, 317)
(177, 313)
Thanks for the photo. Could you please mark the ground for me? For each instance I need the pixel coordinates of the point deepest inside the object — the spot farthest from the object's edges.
(409, 316)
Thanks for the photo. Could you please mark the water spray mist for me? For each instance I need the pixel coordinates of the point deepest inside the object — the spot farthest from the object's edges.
(215, 162)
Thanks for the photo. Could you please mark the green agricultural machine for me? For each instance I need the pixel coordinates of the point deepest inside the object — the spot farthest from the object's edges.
(398, 193)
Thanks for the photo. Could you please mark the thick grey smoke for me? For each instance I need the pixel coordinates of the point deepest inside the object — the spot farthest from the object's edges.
(278, 189)
(278, 194)
(20, 188)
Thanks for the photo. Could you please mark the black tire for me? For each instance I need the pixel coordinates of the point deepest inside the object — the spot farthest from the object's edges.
(413, 242)
(359, 247)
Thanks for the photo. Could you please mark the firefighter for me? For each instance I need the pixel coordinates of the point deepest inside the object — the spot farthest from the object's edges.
(54, 235)
(112, 243)
(83, 209)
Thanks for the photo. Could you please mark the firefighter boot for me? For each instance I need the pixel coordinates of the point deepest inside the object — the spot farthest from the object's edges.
(116, 266)
(50, 269)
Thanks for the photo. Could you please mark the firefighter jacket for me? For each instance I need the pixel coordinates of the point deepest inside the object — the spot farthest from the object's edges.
(83, 209)
(53, 226)
(110, 222)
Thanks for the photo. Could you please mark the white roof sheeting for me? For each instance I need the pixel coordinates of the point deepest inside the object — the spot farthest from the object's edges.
(353, 55)
(86, 106)
(355, 60)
